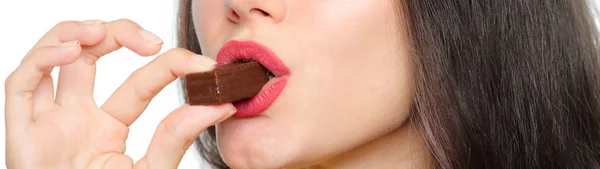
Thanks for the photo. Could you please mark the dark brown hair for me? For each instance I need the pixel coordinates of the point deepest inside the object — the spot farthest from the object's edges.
(499, 83)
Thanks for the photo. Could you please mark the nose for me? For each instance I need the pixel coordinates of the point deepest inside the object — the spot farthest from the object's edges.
(240, 11)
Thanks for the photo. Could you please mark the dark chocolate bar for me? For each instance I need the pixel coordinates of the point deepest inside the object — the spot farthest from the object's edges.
(227, 83)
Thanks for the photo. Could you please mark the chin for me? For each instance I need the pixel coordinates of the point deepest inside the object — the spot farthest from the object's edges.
(256, 143)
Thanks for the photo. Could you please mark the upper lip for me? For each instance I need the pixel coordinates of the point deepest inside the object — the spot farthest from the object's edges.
(234, 51)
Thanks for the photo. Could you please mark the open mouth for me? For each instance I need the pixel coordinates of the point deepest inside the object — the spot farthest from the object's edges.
(240, 51)
(269, 73)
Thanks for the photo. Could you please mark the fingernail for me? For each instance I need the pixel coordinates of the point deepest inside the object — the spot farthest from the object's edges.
(69, 44)
(229, 114)
(92, 22)
(150, 37)
(202, 63)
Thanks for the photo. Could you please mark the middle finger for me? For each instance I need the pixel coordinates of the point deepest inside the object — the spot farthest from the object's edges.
(77, 79)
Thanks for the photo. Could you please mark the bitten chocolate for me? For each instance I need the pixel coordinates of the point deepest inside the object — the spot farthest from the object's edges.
(227, 83)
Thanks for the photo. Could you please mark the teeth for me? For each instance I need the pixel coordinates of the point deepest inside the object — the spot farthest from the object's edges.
(271, 76)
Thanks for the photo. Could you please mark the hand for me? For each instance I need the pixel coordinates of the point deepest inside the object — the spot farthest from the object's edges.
(68, 130)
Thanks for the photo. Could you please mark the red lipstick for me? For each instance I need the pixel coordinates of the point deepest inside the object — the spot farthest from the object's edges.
(234, 51)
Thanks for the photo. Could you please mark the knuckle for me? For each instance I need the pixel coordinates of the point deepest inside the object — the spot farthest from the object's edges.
(145, 94)
(126, 22)
(36, 58)
(176, 130)
(137, 73)
(12, 87)
(21, 94)
(188, 142)
(35, 52)
(174, 55)
(66, 24)
(141, 92)
(178, 52)
(166, 127)
(8, 82)
(187, 137)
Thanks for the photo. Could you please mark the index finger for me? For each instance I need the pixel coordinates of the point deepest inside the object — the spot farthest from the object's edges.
(129, 101)
(87, 33)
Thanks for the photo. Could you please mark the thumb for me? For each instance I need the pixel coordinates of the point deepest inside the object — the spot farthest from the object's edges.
(178, 131)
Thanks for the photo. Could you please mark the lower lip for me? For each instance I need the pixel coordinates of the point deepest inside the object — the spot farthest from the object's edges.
(263, 100)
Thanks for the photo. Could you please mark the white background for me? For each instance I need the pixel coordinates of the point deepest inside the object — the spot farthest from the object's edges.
(22, 23)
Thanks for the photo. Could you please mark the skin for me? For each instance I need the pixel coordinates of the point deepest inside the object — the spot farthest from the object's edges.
(71, 131)
(349, 93)
(345, 105)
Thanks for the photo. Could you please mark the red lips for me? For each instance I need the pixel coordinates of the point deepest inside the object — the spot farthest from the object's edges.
(247, 50)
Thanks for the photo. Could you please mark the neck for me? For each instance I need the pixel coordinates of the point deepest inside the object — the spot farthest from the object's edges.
(402, 149)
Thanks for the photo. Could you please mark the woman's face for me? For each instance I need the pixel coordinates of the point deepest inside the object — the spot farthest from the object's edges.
(349, 79)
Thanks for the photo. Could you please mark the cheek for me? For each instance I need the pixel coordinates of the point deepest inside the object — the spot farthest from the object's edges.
(353, 58)
(352, 78)
(211, 25)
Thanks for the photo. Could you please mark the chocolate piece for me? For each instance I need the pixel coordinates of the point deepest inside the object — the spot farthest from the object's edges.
(227, 83)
